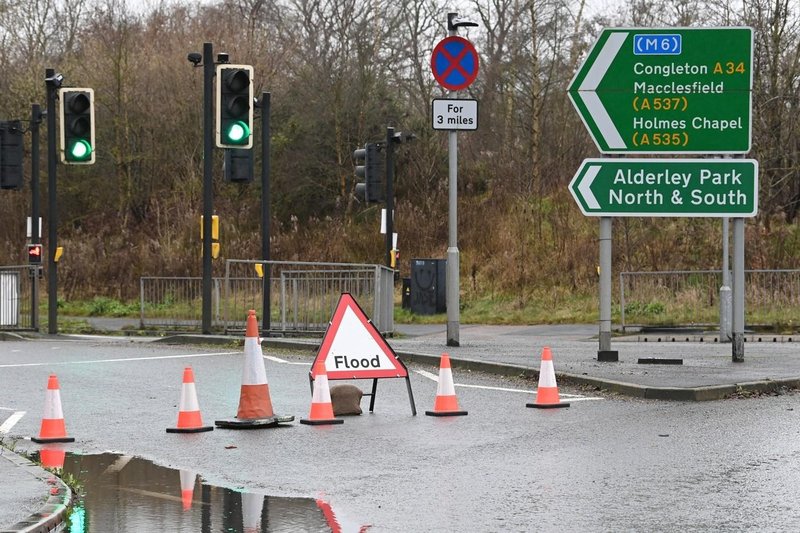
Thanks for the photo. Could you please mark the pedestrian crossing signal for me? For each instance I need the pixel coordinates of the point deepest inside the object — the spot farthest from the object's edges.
(35, 254)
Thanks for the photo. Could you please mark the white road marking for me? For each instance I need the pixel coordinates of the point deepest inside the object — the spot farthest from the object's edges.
(11, 421)
(118, 465)
(121, 360)
(434, 377)
(284, 361)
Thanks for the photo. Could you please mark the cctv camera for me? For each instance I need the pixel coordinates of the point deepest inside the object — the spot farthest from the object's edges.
(195, 58)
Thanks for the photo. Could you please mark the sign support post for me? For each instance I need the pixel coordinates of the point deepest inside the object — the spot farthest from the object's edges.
(725, 290)
(605, 353)
(737, 351)
(455, 66)
(453, 257)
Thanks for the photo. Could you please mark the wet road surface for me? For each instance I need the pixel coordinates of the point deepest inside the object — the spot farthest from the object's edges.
(600, 465)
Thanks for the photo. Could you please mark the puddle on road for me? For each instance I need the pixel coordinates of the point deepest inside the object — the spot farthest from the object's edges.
(122, 493)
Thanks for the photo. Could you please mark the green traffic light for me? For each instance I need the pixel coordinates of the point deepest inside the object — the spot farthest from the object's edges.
(238, 133)
(80, 150)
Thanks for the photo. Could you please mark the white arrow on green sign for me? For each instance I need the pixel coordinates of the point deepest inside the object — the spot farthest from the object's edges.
(655, 91)
(667, 187)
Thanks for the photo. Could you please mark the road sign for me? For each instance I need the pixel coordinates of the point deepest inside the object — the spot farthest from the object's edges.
(685, 90)
(667, 187)
(454, 63)
(451, 114)
(353, 348)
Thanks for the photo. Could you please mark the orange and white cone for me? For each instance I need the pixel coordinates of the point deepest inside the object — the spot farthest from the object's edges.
(187, 488)
(189, 419)
(255, 404)
(547, 391)
(53, 428)
(321, 406)
(252, 507)
(51, 457)
(446, 403)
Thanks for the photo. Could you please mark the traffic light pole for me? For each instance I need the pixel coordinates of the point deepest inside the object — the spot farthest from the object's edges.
(208, 198)
(51, 81)
(36, 119)
(265, 204)
(390, 140)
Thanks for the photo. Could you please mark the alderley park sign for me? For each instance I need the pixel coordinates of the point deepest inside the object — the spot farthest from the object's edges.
(667, 91)
(667, 187)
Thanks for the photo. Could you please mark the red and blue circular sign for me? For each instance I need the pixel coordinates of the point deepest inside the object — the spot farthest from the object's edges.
(454, 63)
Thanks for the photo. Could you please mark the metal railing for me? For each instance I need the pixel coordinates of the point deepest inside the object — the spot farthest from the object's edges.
(19, 306)
(772, 297)
(177, 303)
(302, 296)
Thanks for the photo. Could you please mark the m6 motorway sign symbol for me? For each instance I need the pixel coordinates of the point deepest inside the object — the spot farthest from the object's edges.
(667, 187)
(454, 63)
(653, 91)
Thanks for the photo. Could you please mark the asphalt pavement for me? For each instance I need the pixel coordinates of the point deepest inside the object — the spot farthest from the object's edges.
(677, 365)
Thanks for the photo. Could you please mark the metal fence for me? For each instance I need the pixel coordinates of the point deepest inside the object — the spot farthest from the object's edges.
(691, 297)
(177, 303)
(18, 301)
(302, 296)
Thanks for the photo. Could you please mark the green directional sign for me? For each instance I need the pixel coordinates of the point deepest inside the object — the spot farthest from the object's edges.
(684, 90)
(667, 187)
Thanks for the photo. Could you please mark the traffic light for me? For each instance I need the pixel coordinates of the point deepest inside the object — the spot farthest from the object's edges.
(11, 155)
(370, 167)
(234, 103)
(237, 165)
(35, 254)
(76, 111)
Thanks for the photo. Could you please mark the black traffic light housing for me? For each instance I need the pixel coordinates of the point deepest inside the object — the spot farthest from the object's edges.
(11, 154)
(76, 113)
(370, 167)
(237, 165)
(234, 106)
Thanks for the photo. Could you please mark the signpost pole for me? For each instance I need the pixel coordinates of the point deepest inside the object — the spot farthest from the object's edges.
(738, 291)
(455, 66)
(453, 259)
(725, 290)
(605, 353)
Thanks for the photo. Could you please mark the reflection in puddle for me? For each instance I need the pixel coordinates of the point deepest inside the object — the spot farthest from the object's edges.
(121, 493)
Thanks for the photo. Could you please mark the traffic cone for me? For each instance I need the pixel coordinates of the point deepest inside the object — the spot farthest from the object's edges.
(255, 405)
(446, 403)
(51, 457)
(547, 391)
(321, 406)
(53, 428)
(189, 419)
(187, 488)
(252, 507)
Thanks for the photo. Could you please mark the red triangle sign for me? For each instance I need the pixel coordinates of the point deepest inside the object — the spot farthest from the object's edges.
(353, 348)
